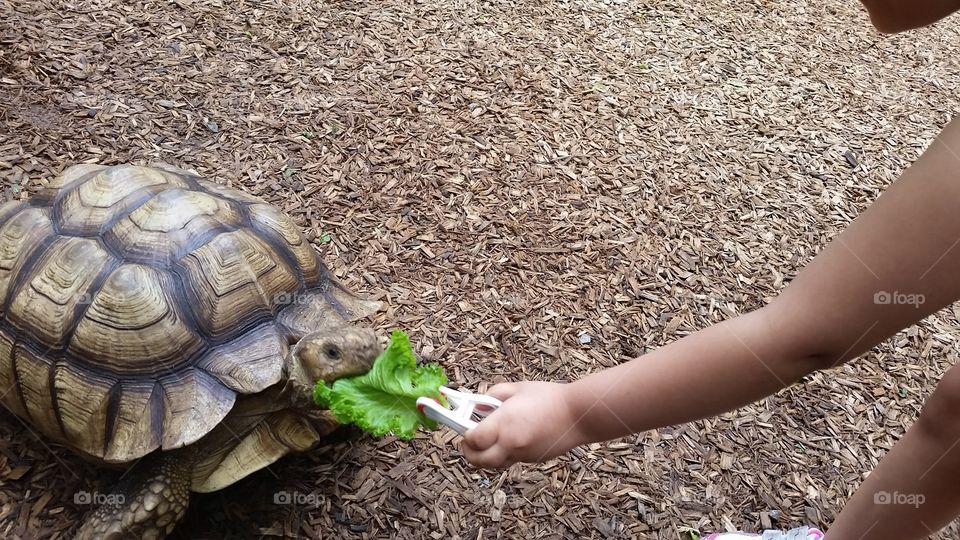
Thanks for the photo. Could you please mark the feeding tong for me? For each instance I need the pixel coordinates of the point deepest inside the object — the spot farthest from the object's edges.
(465, 411)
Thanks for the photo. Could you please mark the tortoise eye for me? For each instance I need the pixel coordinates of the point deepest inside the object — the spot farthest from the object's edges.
(333, 353)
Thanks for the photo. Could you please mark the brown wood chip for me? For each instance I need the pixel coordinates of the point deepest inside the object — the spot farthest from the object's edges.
(509, 177)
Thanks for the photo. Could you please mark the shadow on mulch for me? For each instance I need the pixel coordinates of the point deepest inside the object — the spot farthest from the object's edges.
(53, 482)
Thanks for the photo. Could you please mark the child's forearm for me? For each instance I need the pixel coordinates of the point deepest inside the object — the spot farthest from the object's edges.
(892, 16)
(713, 371)
(895, 264)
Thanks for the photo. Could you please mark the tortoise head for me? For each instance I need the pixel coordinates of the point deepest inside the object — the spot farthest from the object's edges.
(333, 353)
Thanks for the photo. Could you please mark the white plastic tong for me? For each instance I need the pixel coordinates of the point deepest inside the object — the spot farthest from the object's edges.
(465, 411)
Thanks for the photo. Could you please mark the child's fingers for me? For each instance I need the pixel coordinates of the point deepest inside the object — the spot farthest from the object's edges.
(503, 391)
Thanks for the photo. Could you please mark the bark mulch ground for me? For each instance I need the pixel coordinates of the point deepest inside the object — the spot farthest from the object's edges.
(538, 190)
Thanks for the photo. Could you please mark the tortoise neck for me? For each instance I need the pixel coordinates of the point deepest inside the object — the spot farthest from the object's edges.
(295, 394)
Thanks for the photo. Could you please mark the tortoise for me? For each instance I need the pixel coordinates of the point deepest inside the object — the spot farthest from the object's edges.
(152, 317)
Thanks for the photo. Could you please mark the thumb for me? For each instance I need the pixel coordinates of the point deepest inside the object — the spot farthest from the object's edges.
(487, 431)
(485, 434)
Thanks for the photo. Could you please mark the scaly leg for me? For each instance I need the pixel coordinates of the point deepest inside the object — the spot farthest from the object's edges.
(146, 504)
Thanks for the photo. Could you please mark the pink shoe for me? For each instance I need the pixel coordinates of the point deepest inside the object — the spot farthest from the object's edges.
(802, 533)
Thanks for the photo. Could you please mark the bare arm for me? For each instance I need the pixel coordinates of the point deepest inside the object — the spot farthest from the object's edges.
(906, 242)
(891, 16)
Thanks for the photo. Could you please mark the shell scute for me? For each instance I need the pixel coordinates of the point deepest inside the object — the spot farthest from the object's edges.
(133, 324)
(8, 376)
(235, 279)
(138, 411)
(269, 221)
(46, 305)
(109, 195)
(249, 363)
(82, 397)
(34, 383)
(20, 237)
(194, 402)
(163, 229)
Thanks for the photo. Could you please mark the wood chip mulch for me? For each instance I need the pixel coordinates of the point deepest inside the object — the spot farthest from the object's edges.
(538, 190)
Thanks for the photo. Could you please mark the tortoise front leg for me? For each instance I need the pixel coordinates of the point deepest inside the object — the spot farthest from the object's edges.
(147, 503)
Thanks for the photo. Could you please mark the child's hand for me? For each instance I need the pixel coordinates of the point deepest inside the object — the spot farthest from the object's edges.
(535, 423)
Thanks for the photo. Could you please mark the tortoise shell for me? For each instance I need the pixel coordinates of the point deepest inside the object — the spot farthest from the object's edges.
(138, 302)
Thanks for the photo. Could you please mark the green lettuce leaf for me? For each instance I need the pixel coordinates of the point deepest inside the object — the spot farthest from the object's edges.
(384, 400)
